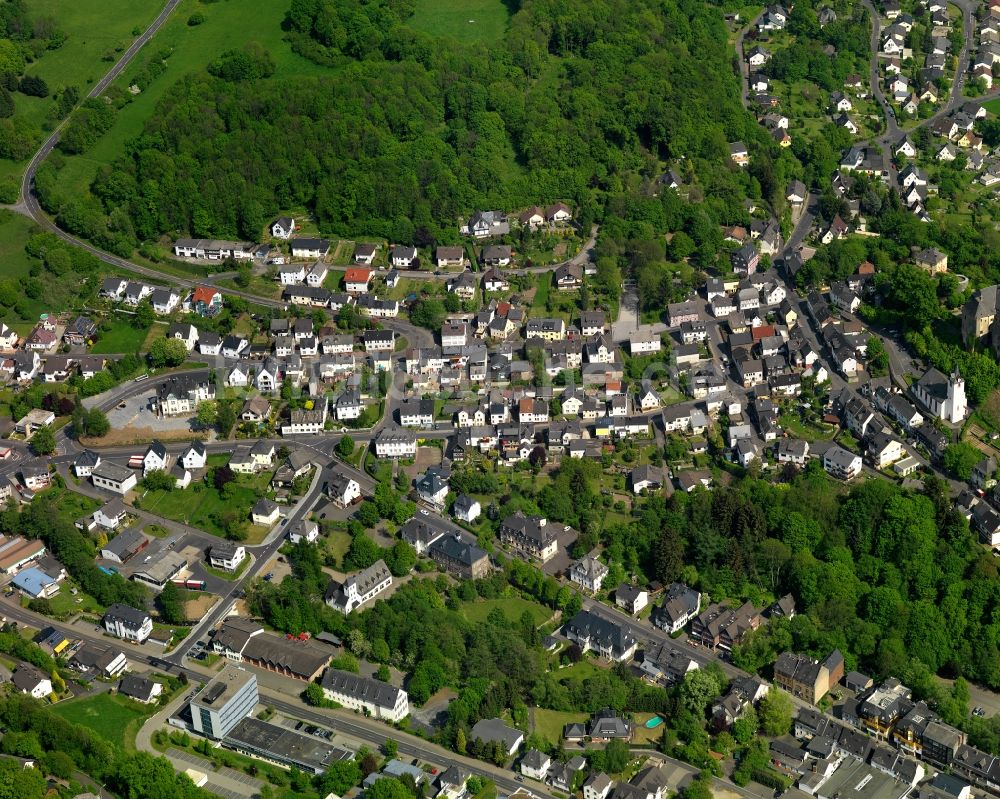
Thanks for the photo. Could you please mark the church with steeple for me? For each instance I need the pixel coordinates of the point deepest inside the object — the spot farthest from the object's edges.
(943, 396)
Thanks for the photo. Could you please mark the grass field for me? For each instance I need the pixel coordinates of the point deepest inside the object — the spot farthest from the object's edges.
(513, 608)
(94, 28)
(468, 21)
(549, 723)
(809, 431)
(14, 231)
(64, 605)
(578, 671)
(337, 544)
(993, 106)
(122, 337)
(112, 717)
(540, 300)
(200, 508)
(192, 49)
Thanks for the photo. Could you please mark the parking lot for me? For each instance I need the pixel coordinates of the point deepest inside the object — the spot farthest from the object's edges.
(134, 413)
(225, 782)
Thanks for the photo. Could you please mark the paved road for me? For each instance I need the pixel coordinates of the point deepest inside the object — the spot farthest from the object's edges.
(892, 132)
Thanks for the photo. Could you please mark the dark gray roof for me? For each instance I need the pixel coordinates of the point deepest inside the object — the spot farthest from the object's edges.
(136, 687)
(495, 730)
(27, 677)
(365, 689)
(126, 543)
(128, 616)
(454, 548)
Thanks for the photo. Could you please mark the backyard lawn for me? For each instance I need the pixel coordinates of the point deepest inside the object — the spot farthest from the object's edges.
(549, 723)
(513, 608)
(337, 544)
(468, 21)
(579, 671)
(114, 718)
(203, 506)
(65, 605)
(121, 338)
(541, 297)
(808, 430)
(993, 106)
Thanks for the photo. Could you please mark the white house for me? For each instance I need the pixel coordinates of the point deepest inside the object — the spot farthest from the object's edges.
(358, 588)
(226, 555)
(841, 463)
(403, 257)
(291, 274)
(195, 456)
(466, 508)
(156, 458)
(304, 530)
(164, 301)
(535, 765)
(126, 622)
(112, 477)
(376, 698)
(283, 227)
(343, 490)
(29, 680)
(239, 376)
(186, 333)
(265, 512)
(588, 573)
(310, 248)
(395, 444)
(630, 598)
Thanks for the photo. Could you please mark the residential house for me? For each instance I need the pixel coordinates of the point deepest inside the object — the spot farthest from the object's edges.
(592, 632)
(588, 573)
(310, 248)
(283, 227)
(680, 604)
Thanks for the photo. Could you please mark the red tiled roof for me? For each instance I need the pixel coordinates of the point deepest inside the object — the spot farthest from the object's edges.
(204, 294)
(355, 275)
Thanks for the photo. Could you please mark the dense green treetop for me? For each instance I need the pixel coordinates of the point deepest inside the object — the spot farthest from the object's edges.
(407, 133)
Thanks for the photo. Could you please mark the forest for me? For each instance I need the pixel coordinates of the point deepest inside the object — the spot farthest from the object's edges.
(409, 133)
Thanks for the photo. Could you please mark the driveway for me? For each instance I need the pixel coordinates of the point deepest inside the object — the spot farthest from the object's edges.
(561, 561)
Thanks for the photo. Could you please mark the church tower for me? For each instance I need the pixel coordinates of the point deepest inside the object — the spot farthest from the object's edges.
(957, 406)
